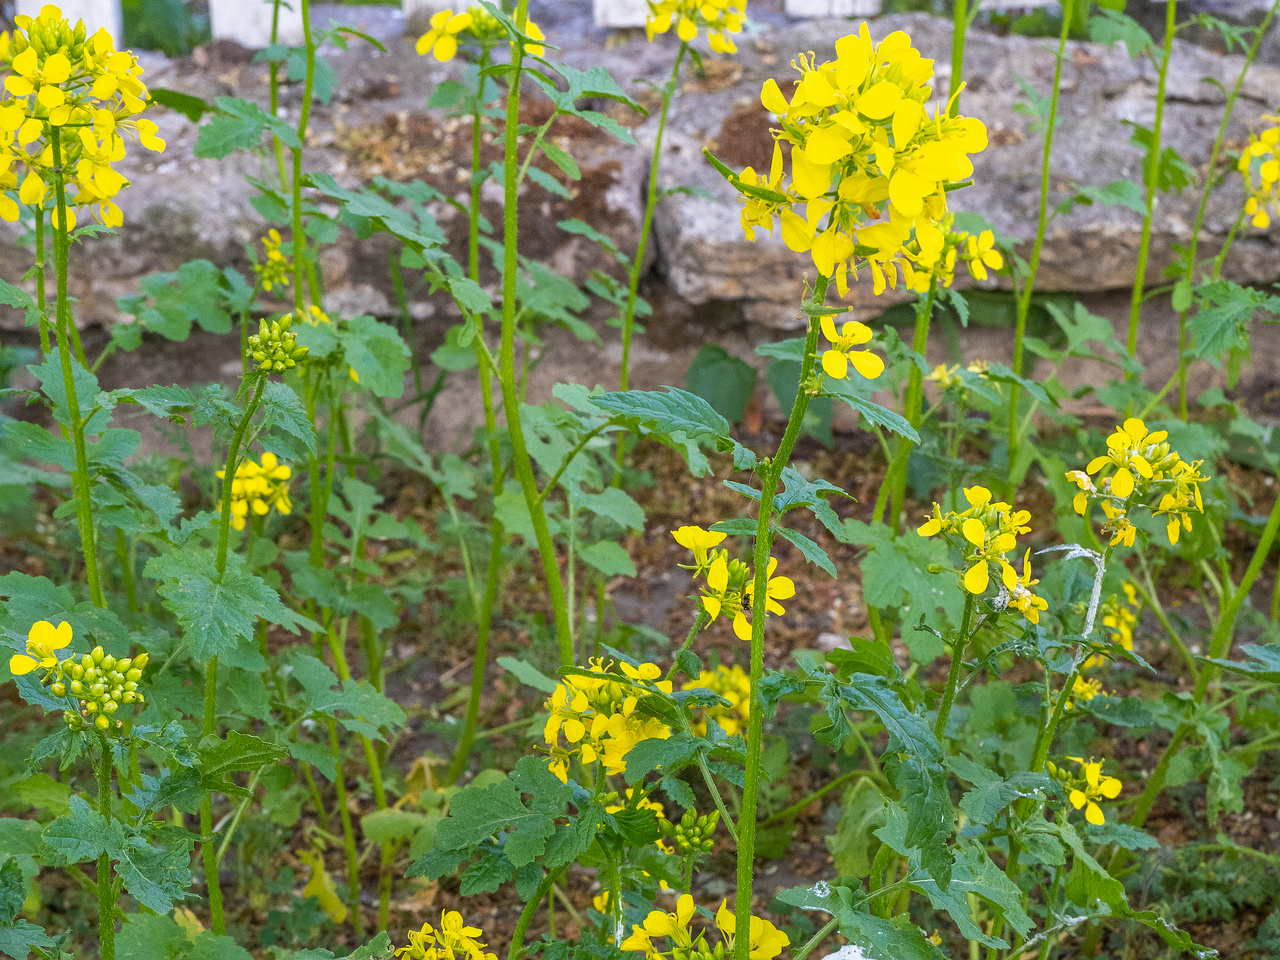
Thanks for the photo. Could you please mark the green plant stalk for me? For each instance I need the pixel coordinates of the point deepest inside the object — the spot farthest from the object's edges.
(793, 811)
(304, 117)
(1152, 183)
(42, 301)
(207, 848)
(1037, 246)
(348, 830)
(274, 86)
(507, 355)
(106, 897)
(764, 543)
(651, 202)
(701, 621)
(959, 29)
(126, 570)
(484, 615)
(911, 408)
(953, 672)
(65, 328)
(829, 927)
(530, 908)
(375, 779)
(1210, 180)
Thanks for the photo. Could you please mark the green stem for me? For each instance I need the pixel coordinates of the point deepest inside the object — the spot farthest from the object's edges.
(510, 388)
(531, 907)
(106, 898)
(42, 301)
(1152, 182)
(274, 87)
(65, 331)
(651, 201)
(1042, 223)
(829, 927)
(348, 829)
(701, 621)
(911, 408)
(794, 810)
(1210, 181)
(304, 117)
(764, 542)
(953, 673)
(126, 570)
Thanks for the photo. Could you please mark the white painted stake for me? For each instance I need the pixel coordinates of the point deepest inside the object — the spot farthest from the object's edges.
(248, 22)
(95, 14)
(833, 8)
(620, 13)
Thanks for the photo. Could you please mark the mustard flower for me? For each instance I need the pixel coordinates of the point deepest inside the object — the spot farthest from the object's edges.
(1094, 786)
(44, 640)
(1083, 690)
(702, 543)
(441, 41)
(844, 353)
(452, 939)
(1259, 164)
(275, 269)
(259, 488)
(718, 18)
(985, 533)
(101, 684)
(734, 686)
(868, 165)
(767, 941)
(777, 588)
(980, 254)
(659, 924)
(63, 79)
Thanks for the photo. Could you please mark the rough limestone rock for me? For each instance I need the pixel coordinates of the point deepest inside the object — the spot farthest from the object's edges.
(706, 257)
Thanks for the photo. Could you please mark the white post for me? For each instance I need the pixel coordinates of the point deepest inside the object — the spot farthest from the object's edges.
(427, 7)
(833, 8)
(620, 13)
(95, 14)
(248, 22)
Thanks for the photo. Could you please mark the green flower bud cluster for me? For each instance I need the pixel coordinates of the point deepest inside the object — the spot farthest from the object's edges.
(50, 36)
(102, 684)
(693, 834)
(274, 347)
(739, 574)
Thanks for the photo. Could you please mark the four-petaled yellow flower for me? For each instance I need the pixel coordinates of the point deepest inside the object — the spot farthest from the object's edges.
(777, 588)
(1084, 689)
(1096, 785)
(767, 941)
(843, 353)
(701, 542)
(981, 254)
(441, 41)
(451, 940)
(274, 270)
(985, 533)
(44, 640)
(1125, 449)
(259, 488)
(658, 924)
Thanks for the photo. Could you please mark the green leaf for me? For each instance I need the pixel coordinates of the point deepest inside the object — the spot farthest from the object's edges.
(356, 705)
(528, 674)
(1117, 193)
(216, 615)
(18, 939)
(675, 411)
(873, 937)
(812, 552)
(239, 125)
(1223, 315)
(725, 382)
(377, 353)
(665, 756)
(480, 813)
(453, 355)
(238, 753)
(283, 409)
(384, 826)
(609, 558)
(193, 108)
(1263, 663)
(875, 414)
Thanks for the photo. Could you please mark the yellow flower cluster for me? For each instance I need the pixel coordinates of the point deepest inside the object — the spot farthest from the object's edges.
(275, 268)
(930, 257)
(717, 17)
(985, 533)
(1083, 690)
(1086, 788)
(451, 940)
(767, 941)
(731, 683)
(1259, 164)
(441, 41)
(868, 164)
(98, 680)
(947, 378)
(1141, 464)
(81, 89)
(597, 716)
(730, 586)
(257, 488)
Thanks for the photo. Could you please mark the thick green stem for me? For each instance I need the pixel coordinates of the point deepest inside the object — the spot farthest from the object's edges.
(1210, 181)
(764, 541)
(42, 301)
(64, 333)
(959, 29)
(1042, 223)
(531, 906)
(507, 355)
(1152, 181)
(106, 896)
(953, 673)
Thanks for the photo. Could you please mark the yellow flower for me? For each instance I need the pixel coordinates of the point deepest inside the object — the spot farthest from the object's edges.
(44, 640)
(718, 17)
(843, 352)
(1083, 690)
(259, 488)
(980, 253)
(451, 940)
(658, 924)
(1021, 596)
(985, 533)
(731, 683)
(276, 268)
(1125, 449)
(777, 588)
(767, 941)
(701, 542)
(441, 41)
(1259, 164)
(1095, 786)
